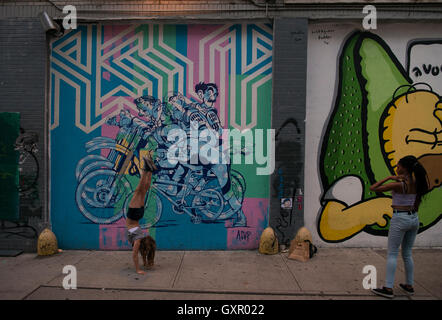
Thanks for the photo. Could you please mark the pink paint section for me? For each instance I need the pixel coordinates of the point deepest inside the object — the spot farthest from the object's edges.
(113, 31)
(197, 33)
(207, 48)
(113, 236)
(106, 75)
(256, 211)
(111, 131)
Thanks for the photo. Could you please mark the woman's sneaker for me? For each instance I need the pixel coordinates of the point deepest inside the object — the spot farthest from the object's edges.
(407, 289)
(384, 292)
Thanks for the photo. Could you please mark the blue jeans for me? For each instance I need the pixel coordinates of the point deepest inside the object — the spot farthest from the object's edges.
(403, 230)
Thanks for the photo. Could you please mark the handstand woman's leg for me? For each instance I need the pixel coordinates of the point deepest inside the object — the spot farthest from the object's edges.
(141, 190)
(143, 187)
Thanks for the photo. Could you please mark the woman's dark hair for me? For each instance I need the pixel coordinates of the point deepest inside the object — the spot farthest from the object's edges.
(412, 165)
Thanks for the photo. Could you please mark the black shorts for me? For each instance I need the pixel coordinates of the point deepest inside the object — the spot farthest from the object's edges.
(135, 213)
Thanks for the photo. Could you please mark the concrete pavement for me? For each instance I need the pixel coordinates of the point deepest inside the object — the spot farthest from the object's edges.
(334, 273)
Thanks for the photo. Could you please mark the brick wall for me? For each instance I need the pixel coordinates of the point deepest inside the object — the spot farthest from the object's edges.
(23, 57)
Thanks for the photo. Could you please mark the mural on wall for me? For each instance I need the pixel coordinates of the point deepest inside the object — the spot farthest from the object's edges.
(120, 90)
(206, 192)
(379, 116)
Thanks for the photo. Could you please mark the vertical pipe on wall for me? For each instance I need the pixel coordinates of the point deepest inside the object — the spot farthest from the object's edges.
(46, 157)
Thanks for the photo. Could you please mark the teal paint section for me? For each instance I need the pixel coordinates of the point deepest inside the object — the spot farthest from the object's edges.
(73, 230)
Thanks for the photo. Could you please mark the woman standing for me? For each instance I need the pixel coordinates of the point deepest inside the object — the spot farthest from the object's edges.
(407, 191)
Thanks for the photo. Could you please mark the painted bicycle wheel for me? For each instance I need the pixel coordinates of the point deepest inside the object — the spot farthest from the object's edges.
(100, 195)
(90, 163)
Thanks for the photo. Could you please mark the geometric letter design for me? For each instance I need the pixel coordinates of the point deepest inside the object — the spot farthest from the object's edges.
(137, 60)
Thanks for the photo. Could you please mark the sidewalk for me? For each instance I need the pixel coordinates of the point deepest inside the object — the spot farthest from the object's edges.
(334, 273)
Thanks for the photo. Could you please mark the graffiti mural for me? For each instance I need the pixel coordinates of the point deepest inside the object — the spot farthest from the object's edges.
(121, 91)
(206, 192)
(379, 116)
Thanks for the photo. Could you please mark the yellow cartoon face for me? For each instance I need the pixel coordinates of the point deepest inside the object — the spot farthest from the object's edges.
(412, 125)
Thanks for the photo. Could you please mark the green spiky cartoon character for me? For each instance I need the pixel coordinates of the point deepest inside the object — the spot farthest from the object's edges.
(379, 117)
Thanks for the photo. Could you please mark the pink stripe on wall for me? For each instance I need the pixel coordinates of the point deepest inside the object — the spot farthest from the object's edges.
(112, 31)
(256, 211)
(195, 34)
(113, 236)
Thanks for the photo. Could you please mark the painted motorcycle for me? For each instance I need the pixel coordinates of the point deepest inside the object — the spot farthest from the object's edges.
(106, 180)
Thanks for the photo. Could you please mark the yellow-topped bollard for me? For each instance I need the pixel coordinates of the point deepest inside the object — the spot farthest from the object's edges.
(303, 234)
(268, 244)
(47, 243)
(299, 249)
